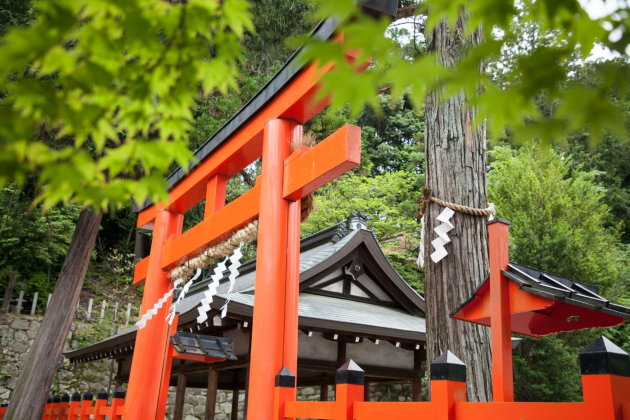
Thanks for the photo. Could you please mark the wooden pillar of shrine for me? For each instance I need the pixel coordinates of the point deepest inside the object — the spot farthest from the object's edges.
(211, 395)
(180, 397)
(416, 384)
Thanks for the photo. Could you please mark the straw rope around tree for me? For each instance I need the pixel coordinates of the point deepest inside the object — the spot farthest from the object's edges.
(427, 196)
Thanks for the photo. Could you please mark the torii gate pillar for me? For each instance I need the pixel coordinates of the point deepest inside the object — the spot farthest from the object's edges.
(269, 300)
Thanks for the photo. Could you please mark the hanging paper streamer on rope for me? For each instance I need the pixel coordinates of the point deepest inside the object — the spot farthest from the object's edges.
(142, 322)
(442, 232)
(235, 259)
(212, 290)
(420, 260)
(182, 295)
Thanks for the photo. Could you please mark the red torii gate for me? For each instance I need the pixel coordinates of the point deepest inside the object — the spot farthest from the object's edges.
(275, 201)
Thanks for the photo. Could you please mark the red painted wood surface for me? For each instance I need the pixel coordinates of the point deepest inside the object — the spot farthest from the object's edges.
(292, 288)
(215, 195)
(146, 376)
(501, 330)
(268, 320)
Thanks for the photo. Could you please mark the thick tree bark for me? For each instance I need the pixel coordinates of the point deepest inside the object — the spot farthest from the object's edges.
(31, 391)
(455, 170)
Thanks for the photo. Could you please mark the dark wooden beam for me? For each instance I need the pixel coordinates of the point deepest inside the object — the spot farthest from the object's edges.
(393, 374)
(211, 395)
(341, 353)
(323, 392)
(180, 397)
(366, 391)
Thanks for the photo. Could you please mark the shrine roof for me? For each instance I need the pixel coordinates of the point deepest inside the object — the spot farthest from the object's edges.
(323, 250)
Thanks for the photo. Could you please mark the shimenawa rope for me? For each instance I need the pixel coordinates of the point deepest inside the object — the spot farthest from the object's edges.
(427, 196)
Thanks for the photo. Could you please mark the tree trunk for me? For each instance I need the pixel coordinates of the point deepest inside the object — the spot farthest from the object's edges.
(31, 391)
(12, 279)
(455, 170)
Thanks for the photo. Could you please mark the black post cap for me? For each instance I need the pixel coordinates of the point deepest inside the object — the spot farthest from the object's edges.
(350, 373)
(285, 379)
(56, 399)
(102, 395)
(76, 397)
(448, 367)
(49, 400)
(4, 405)
(65, 398)
(604, 357)
(120, 392)
(88, 396)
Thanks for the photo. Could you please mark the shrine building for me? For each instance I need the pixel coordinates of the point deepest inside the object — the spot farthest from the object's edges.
(352, 305)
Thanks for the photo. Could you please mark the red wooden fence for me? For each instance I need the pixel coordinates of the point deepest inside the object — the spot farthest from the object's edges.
(82, 408)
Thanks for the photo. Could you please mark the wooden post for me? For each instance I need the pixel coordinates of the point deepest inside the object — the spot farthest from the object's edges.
(323, 392)
(103, 306)
(101, 404)
(500, 328)
(128, 313)
(20, 300)
(284, 391)
(448, 385)
(89, 311)
(341, 352)
(350, 380)
(215, 194)
(147, 368)
(268, 323)
(48, 301)
(40, 367)
(234, 414)
(416, 384)
(211, 395)
(366, 391)
(180, 397)
(86, 405)
(34, 307)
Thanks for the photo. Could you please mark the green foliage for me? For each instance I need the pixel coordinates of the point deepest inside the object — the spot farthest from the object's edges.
(559, 221)
(390, 200)
(546, 370)
(492, 29)
(97, 96)
(558, 217)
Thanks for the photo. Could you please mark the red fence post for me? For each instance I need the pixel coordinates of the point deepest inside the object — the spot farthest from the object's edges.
(284, 391)
(101, 403)
(605, 379)
(117, 401)
(448, 385)
(75, 406)
(86, 406)
(3, 409)
(350, 382)
(47, 409)
(64, 407)
(54, 410)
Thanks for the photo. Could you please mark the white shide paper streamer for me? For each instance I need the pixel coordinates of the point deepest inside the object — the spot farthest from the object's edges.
(235, 259)
(142, 322)
(442, 232)
(212, 290)
(420, 261)
(182, 295)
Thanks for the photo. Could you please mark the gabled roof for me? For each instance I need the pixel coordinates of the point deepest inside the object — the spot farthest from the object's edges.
(325, 251)
(542, 303)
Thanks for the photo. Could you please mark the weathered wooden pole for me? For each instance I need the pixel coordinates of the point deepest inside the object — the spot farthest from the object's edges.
(128, 313)
(18, 307)
(31, 391)
(49, 299)
(34, 307)
(89, 311)
(103, 306)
